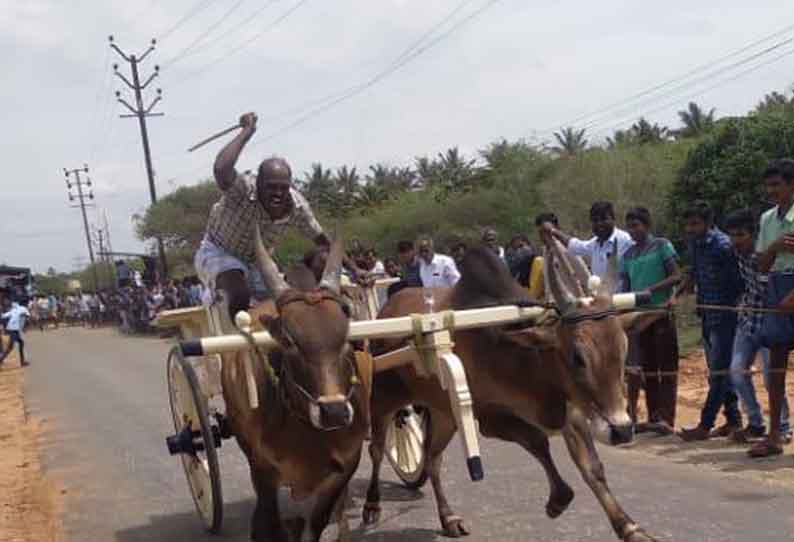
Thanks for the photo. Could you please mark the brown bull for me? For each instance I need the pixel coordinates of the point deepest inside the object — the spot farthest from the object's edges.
(304, 441)
(526, 384)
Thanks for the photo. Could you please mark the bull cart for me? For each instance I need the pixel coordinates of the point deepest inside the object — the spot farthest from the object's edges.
(195, 391)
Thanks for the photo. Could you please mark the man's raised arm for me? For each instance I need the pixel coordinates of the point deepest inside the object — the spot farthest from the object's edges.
(224, 171)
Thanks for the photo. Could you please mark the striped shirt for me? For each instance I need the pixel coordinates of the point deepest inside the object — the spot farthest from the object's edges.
(231, 222)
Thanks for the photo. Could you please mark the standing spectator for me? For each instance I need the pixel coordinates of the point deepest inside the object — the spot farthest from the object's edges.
(650, 265)
(741, 226)
(458, 251)
(520, 259)
(15, 324)
(776, 256)
(598, 248)
(392, 267)
(490, 240)
(537, 281)
(372, 264)
(435, 269)
(716, 275)
(406, 255)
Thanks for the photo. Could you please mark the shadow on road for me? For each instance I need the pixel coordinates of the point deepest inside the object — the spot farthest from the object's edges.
(188, 526)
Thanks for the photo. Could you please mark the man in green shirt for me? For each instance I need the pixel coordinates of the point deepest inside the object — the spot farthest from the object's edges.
(775, 247)
(650, 265)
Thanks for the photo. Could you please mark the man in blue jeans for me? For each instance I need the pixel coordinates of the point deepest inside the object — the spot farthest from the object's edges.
(741, 226)
(716, 275)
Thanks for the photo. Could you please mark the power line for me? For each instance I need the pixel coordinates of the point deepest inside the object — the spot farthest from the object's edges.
(406, 56)
(185, 18)
(358, 89)
(340, 93)
(674, 80)
(245, 43)
(235, 29)
(207, 32)
(700, 92)
(705, 77)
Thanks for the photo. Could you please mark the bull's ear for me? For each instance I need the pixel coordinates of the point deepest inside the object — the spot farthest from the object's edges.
(637, 322)
(533, 337)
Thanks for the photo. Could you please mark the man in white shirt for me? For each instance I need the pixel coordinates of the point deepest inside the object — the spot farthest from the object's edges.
(15, 324)
(597, 249)
(436, 270)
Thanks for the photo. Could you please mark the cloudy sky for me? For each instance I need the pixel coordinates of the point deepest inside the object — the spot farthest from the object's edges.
(467, 73)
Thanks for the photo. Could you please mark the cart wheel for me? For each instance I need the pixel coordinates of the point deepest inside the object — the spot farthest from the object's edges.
(195, 440)
(405, 445)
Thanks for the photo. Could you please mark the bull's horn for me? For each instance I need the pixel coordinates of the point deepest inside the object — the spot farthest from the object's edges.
(270, 275)
(609, 283)
(567, 268)
(333, 268)
(559, 293)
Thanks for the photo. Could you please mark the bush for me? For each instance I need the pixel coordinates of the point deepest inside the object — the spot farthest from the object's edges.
(724, 169)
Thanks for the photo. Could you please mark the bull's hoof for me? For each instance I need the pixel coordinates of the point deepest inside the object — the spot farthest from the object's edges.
(638, 535)
(371, 513)
(559, 501)
(454, 527)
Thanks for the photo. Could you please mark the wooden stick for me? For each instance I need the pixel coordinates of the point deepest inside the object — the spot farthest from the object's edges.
(214, 137)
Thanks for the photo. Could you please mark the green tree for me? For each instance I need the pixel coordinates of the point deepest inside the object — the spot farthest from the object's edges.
(775, 102)
(695, 121)
(180, 217)
(621, 138)
(643, 132)
(570, 141)
(724, 168)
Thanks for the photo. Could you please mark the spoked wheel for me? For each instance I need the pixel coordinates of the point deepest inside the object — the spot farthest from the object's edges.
(405, 445)
(195, 440)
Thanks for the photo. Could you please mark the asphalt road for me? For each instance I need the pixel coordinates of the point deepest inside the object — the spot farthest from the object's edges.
(105, 400)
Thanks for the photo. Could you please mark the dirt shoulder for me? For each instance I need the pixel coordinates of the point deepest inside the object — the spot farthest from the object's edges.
(717, 454)
(30, 508)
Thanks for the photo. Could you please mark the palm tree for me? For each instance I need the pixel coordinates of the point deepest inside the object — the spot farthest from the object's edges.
(570, 141)
(695, 120)
(645, 132)
(347, 181)
(620, 138)
(775, 101)
(317, 184)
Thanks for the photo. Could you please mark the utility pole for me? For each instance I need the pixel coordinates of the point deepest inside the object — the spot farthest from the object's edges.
(140, 112)
(100, 237)
(81, 197)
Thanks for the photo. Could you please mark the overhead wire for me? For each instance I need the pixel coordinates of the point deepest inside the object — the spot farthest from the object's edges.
(186, 51)
(246, 21)
(239, 47)
(403, 60)
(686, 75)
(700, 92)
(197, 8)
(707, 76)
(412, 52)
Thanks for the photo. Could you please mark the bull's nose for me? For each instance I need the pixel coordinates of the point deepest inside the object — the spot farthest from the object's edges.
(621, 434)
(335, 414)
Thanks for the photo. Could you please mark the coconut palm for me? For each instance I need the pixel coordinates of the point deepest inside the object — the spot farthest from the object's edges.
(570, 141)
(645, 132)
(695, 120)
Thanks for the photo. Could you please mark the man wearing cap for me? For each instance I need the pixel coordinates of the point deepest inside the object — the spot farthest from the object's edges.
(226, 258)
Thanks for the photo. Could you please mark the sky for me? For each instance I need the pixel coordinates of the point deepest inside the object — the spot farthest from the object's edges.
(320, 75)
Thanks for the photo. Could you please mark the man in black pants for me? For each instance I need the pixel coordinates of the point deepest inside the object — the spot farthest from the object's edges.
(15, 323)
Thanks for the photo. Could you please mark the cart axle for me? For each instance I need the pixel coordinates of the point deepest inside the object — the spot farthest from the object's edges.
(188, 441)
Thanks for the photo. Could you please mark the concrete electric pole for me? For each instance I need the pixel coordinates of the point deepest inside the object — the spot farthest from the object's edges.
(81, 196)
(141, 113)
